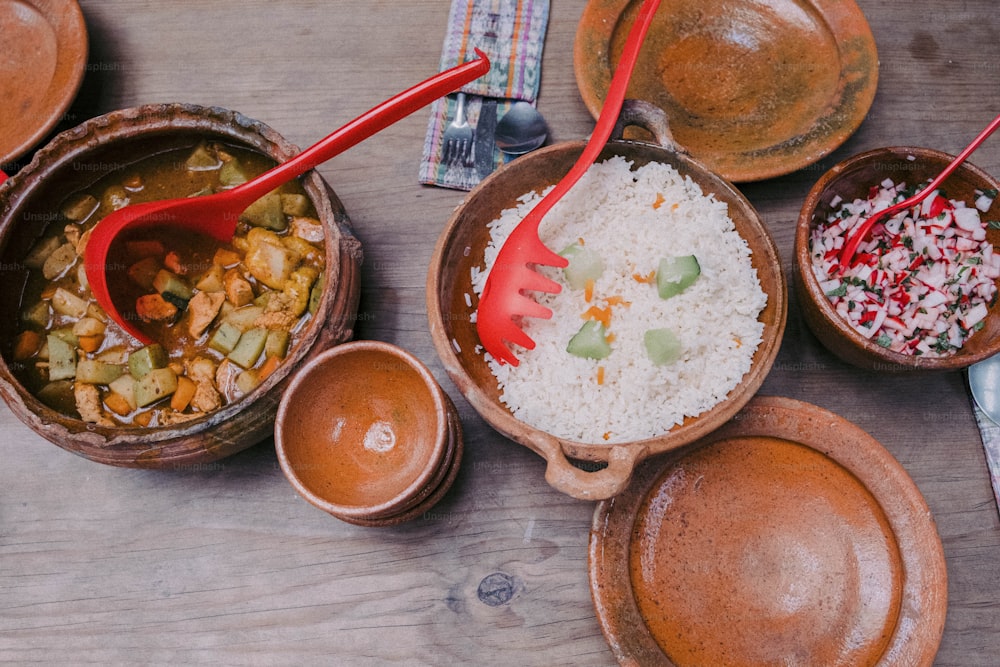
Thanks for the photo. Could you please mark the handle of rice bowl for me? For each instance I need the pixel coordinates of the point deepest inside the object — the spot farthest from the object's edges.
(602, 484)
(649, 117)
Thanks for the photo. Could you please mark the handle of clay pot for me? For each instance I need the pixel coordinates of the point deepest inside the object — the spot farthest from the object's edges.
(599, 485)
(649, 117)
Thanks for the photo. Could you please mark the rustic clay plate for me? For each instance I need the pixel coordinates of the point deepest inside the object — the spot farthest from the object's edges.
(789, 536)
(753, 89)
(43, 53)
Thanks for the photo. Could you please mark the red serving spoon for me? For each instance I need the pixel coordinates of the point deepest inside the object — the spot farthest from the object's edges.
(503, 301)
(862, 231)
(217, 215)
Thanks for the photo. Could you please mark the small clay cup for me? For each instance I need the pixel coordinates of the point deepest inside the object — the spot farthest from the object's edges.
(366, 433)
(850, 180)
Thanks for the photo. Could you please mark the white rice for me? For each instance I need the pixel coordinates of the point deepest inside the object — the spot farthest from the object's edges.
(611, 209)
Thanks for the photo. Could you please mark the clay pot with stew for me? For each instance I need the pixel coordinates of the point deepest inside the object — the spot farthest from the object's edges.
(78, 159)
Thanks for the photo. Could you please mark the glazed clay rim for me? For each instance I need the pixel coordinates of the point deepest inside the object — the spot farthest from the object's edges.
(923, 605)
(191, 441)
(447, 316)
(69, 30)
(823, 319)
(431, 476)
(836, 118)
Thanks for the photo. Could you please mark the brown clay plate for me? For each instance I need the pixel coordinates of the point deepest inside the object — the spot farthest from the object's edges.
(753, 88)
(43, 54)
(789, 536)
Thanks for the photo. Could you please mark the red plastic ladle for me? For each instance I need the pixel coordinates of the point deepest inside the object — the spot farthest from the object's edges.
(217, 215)
(504, 301)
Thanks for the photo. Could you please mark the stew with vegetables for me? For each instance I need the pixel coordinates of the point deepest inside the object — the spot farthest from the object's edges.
(224, 315)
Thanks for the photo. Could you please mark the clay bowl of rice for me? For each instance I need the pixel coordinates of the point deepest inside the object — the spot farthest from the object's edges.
(630, 365)
(920, 292)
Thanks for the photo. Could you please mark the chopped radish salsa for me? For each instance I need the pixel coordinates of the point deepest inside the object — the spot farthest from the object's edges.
(924, 280)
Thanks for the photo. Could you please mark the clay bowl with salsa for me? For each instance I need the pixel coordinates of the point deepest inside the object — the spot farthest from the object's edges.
(231, 322)
(594, 469)
(922, 296)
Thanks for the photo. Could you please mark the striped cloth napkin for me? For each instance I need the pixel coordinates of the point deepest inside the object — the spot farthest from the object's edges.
(512, 34)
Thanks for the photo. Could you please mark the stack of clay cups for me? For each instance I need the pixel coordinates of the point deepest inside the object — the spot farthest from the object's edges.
(365, 433)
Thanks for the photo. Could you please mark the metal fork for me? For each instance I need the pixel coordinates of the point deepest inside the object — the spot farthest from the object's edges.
(458, 137)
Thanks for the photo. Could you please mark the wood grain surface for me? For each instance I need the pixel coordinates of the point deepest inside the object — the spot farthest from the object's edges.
(225, 564)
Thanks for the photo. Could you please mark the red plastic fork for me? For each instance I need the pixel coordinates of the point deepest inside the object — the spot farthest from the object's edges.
(217, 215)
(852, 243)
(503, 301)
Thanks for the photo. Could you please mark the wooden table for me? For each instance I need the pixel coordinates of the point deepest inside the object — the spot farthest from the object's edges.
(224, 563)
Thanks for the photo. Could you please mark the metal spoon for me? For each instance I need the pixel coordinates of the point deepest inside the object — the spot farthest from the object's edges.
(521, 129)
(984, 381)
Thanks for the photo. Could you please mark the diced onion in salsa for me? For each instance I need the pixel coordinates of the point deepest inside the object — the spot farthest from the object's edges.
(923, 282)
